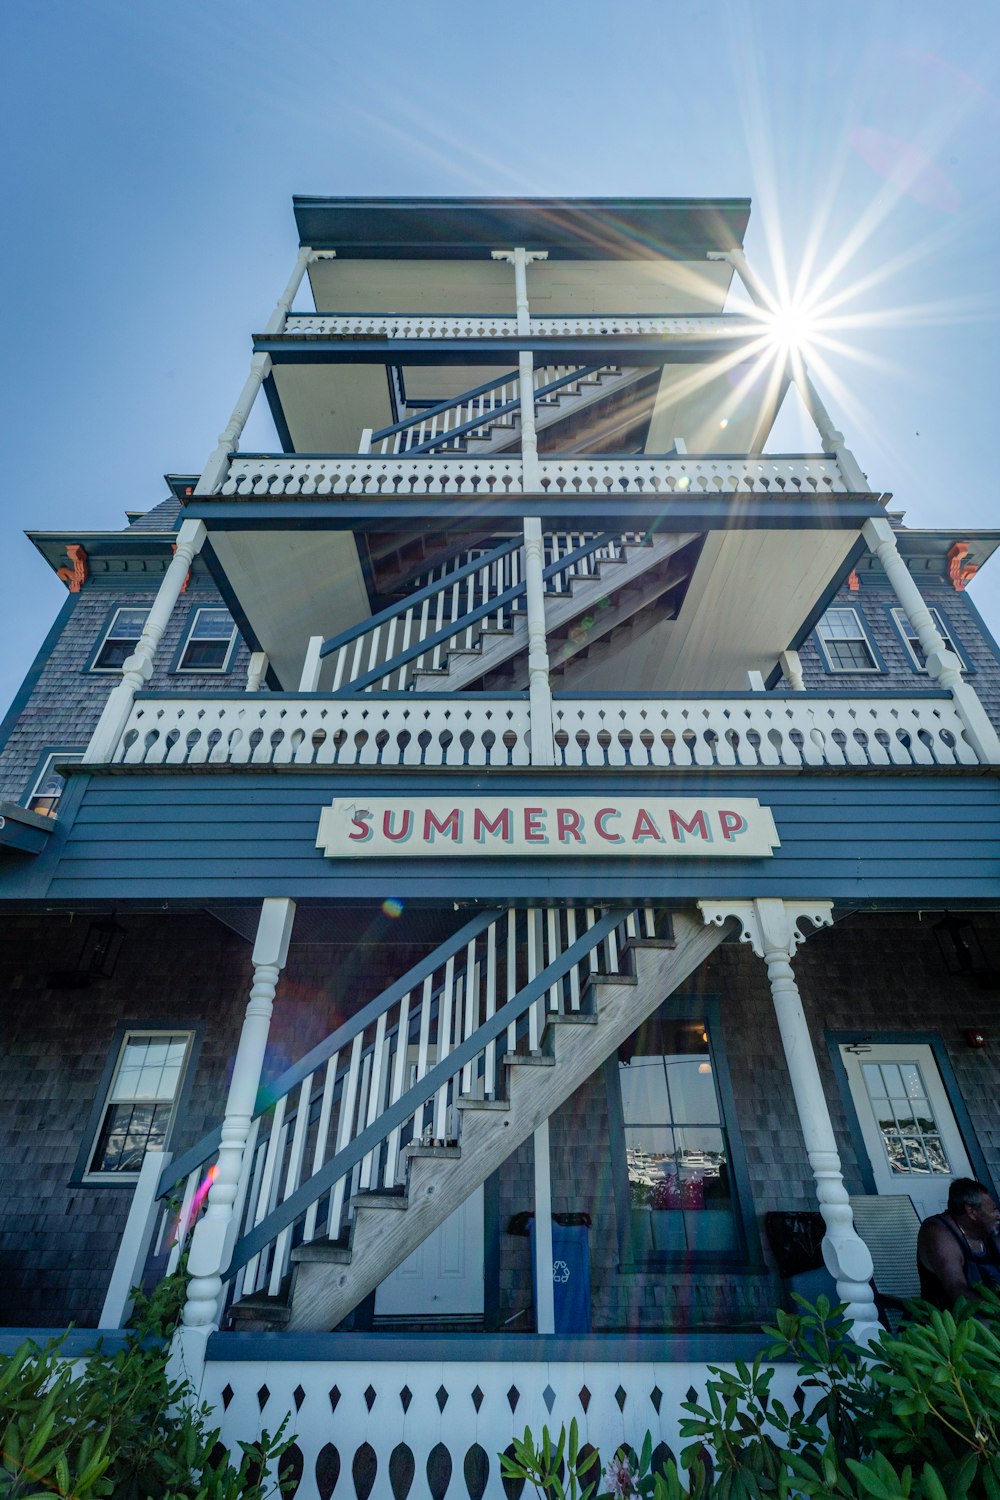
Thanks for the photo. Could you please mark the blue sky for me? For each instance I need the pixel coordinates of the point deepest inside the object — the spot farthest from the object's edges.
(152, 150)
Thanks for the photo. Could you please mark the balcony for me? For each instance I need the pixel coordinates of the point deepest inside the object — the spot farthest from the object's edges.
(598, 476)
(690, 328)
(756, 731)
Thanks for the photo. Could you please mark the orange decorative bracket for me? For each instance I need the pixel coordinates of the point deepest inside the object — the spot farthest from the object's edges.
(76, 576)
(853, 581)
(187, 575)
(959, 571)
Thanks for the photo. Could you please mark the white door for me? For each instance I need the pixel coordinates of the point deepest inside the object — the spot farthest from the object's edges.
(906, 1121)
(443, 1278)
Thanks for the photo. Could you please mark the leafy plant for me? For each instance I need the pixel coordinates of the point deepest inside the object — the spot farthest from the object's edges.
(115, 1425)
(543, 1467)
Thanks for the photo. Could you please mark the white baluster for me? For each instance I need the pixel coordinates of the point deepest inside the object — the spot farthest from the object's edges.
(321, 1141)
(345, 1122)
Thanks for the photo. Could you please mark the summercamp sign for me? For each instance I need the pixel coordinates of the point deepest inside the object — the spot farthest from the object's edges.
(369, 826)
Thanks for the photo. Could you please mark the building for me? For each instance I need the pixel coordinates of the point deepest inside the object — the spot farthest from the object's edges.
(520, 795)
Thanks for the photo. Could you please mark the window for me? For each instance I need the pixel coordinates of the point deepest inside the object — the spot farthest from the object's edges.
(678, 1162)
(208, 646)
(120, 640)
(845, 643)
(912, 642)
(140, 1101)
(48, 785)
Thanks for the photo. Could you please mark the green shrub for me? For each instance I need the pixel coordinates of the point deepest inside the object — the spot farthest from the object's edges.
(118, 1426)
(915, 1418)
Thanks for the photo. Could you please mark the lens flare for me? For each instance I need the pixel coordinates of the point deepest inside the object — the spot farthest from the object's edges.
(392, 907)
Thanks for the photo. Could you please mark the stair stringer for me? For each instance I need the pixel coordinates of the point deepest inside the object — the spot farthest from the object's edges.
(549, 413)
(498, 646)
(326, 1288)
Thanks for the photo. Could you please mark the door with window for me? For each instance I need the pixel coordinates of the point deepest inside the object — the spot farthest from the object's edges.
(906, 1120)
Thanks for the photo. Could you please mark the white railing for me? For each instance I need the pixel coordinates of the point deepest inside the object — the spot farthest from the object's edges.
(274, 729)
(489, 326)
(760, 729)
(451, 610)
(368, 1425)
(751, 730)
(340, 1121)
(276, 474)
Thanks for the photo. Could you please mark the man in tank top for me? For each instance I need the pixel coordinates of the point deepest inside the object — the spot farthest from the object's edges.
(958, 1250)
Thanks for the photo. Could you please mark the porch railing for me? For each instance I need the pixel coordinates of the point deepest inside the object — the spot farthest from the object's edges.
(781, 730)
(325, 325)
(598, 476)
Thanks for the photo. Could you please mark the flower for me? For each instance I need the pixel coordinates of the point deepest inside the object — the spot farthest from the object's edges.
(619, 1477)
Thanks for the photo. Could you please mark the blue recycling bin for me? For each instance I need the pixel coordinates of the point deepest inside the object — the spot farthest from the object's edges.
(570, 1271)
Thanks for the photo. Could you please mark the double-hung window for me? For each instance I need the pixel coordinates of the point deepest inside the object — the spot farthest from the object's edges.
(844, 642)
(912, 641)
(140, 1102)
(678, 1159)
(208, 646)
(48, 786)
(120, 640)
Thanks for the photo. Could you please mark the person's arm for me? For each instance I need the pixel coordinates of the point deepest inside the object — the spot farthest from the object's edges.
(940, 1252)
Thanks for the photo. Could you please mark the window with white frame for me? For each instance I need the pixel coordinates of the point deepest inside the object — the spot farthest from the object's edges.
(49, 785)
(120, 640)
(208, 646)
(141, 1100)
(844, 642)
(912, 641)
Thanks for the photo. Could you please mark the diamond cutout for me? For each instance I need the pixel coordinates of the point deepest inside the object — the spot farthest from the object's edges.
(477, 1398)
(691, 1394)
(370, 1397)
(405, 1397)
(298, 1396)
(584, 1397)
(263, 1397)
(334, 1397)
(799, 1397)
(227, 1395)
(621, 1396)
(513, 1397)
(656, 1396)
(549, 1397)
(441, 1397)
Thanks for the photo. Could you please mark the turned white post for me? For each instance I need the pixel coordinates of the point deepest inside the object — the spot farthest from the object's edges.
(276, 321)
(531, 474)
(208, 1250)
(831, 438)
(545, 1314)
(769, 926)
(539, 687)
(217, 467)
(521, 259)
(256, 671)
(942, 665)
(791, 667)
(138, 668)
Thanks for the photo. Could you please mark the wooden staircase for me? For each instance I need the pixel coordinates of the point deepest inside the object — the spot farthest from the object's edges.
(328, 1278)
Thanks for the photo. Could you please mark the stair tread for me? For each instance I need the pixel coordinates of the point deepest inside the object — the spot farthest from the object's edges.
(528, 1059)
(322, 1250)
(466, 1101)
(444, 1153)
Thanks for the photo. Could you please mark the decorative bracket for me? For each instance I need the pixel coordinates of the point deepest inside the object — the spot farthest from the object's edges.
(853, 581)
(769, 925)
(76, 576)
(959, 571)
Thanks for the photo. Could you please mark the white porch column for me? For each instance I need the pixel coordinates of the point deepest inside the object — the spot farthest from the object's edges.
(138, 668)
(209, 1241)
(545, 1314)
(217, 467)
(769, 926)
(283, 307)
(521, 259)
(832, 439)
(942, 665)
(791, 666)
(539, 687)
(256, 671)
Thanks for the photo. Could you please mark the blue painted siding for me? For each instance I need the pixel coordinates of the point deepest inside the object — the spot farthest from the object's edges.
(886, 840)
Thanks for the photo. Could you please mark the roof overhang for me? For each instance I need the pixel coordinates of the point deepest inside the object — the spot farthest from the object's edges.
(568, 228)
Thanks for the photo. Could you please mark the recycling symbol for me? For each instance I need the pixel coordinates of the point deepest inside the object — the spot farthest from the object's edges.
(560, 1271)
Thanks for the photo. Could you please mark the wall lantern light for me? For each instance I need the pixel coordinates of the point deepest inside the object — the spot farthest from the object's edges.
(960, 946)
(97, 960)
